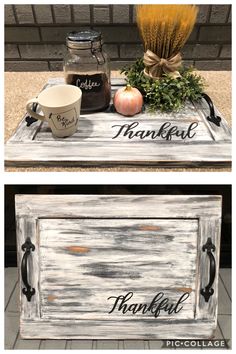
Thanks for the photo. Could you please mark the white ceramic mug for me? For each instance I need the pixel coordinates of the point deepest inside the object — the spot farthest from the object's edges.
(60, 105)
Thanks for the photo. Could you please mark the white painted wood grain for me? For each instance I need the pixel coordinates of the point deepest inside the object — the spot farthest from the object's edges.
(223, 132)
(122, 344)
(104, 130)
(118, 153)
(118, 206)
(125, 255)
(24, 133)
(111, 329)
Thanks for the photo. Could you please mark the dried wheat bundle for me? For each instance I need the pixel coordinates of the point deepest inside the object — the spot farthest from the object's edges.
(164, 30)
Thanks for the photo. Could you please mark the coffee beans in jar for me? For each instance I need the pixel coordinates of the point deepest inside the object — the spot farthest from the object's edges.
(87, 66)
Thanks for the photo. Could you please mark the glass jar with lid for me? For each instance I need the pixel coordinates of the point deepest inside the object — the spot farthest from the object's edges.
(86, 65)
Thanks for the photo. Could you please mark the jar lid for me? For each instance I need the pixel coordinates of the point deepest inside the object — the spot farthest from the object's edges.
(84, 39)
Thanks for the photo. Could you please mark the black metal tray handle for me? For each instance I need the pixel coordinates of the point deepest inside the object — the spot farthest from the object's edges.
(27, 247)
(30, 120)
(208, 291)
(212, 117)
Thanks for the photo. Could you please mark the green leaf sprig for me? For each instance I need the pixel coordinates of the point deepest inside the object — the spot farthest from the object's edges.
(166, 94)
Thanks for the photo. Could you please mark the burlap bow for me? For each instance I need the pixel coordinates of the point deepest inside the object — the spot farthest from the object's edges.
(155, 66)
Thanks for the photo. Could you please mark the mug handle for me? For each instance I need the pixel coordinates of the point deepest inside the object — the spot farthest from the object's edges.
(31, 112)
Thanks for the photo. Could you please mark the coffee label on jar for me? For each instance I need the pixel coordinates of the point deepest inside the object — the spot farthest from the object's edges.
(95, 88)
(89, 83)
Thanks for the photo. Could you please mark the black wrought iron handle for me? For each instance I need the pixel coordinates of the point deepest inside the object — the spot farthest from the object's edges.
(212, 117)
(27, 247)
(208, 291)
(30, 120)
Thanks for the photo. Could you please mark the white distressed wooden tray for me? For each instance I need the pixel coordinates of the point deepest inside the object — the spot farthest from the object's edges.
(90, 248)
(94, 143)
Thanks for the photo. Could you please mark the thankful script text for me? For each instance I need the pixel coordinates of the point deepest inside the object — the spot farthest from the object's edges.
(159, 303)
(166, 131)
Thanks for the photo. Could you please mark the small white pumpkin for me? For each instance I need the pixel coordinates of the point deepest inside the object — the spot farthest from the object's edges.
(128, 101)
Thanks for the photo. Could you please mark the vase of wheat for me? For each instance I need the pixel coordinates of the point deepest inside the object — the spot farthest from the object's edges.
(164, 30)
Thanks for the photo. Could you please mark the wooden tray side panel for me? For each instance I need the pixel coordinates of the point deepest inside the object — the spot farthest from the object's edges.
(111, 330)
(209, 228)
(27, 227)
(118, 206)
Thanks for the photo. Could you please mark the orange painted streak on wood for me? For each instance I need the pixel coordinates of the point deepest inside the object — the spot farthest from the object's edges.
(185, 290)
(149, 228)
(51, 298)
(77, 249)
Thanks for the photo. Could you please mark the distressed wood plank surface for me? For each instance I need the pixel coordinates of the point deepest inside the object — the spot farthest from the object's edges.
(105, 130)
(25, 134)
(122, 344)
(125, 255)
(218, 134)
(94, 144)
(116, 153)
(117, 206)
(109, 329)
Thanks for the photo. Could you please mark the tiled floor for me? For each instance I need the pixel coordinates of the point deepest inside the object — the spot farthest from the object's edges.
(13, 341)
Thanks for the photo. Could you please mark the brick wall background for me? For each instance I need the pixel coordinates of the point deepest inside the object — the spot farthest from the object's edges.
(35, 35)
